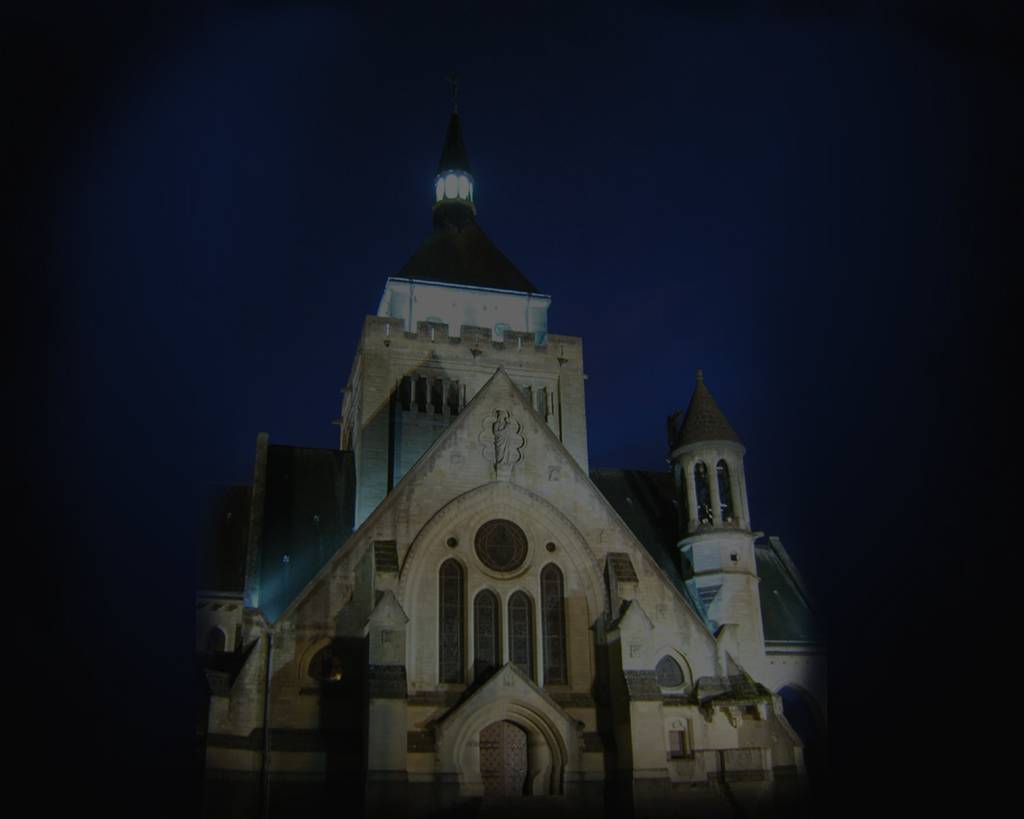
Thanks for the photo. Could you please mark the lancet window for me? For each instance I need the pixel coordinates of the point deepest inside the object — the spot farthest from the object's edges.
(452, 622)
(520, 632)
(553, 624)
(486, 633)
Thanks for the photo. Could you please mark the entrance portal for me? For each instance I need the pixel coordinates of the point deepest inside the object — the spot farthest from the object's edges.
(503, 759)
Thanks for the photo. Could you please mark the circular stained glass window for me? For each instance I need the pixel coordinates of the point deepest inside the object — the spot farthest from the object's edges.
(501, 545)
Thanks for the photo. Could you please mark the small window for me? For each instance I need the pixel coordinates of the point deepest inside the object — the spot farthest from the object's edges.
(326, 665)
(677, 745)
(669, 673)
(499, 330)
(215, 639)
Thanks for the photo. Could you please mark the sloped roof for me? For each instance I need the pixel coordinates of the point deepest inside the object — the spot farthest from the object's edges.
(785, 609)
(644, 502)
(704, 421)
(225, 537)
(462, 254)
(308, 513)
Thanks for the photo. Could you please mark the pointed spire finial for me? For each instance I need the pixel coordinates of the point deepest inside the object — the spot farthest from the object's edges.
(700, 376)
(453, 80)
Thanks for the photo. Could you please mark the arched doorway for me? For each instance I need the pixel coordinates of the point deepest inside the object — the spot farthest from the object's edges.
(504, 759)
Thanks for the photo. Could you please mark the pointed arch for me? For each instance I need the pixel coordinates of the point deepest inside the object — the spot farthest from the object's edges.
(552, 604)
(452, 620)
(725, 492)
(486, 633)
(520, 632)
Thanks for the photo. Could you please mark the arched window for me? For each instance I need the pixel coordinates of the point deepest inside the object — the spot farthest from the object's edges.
(486, 634)
(725, 491)
(520, 632)
(552, 607)
(326, 665)
(683, 495)
(703, 488)
(452, 622)
(669, 673)
(215, 639)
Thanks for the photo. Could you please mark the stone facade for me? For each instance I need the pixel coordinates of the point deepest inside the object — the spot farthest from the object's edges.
(642, 683)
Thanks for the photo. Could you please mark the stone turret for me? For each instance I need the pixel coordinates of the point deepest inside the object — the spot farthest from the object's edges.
(717, 547)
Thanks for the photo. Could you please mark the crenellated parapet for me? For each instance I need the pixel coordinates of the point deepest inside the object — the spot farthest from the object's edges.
(406, 387)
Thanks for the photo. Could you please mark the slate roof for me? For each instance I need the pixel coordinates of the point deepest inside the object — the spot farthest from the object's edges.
(225, 536)
(309, 512)
(462, 254)
(785, 609)
(703, 421)
(458, 251)
(644, 501)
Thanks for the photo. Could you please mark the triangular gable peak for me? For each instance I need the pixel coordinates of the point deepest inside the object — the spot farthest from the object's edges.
(497, 438)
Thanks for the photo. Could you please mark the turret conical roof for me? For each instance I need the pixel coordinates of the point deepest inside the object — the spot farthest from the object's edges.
(704, 421)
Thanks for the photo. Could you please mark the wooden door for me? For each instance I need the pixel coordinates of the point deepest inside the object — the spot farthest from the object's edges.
(503, 759)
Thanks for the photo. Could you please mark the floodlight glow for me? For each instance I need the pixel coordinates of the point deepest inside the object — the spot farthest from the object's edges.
(463, 187)
(451, 186)
(439, 190)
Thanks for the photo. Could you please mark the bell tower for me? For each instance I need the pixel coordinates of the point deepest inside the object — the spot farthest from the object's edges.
(717, 544)
(455, 312)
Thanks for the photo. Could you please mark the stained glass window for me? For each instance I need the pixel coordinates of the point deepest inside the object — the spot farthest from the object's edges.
(486, 634)
(520, 632)
(553, 624)
(501, 545)
(452, 619)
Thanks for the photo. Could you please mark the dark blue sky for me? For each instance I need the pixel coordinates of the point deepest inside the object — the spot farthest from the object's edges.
(813, 207)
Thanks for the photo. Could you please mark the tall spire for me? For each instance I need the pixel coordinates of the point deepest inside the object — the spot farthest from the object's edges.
(454, 203)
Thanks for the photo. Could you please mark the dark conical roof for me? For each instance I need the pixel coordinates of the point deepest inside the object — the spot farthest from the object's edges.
(462, 254)
(453, 155)
(704, 421)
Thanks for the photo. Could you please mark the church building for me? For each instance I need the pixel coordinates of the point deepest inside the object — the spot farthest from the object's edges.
(452, 612)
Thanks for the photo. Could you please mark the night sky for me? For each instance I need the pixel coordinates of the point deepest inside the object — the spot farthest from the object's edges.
(812, 206)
